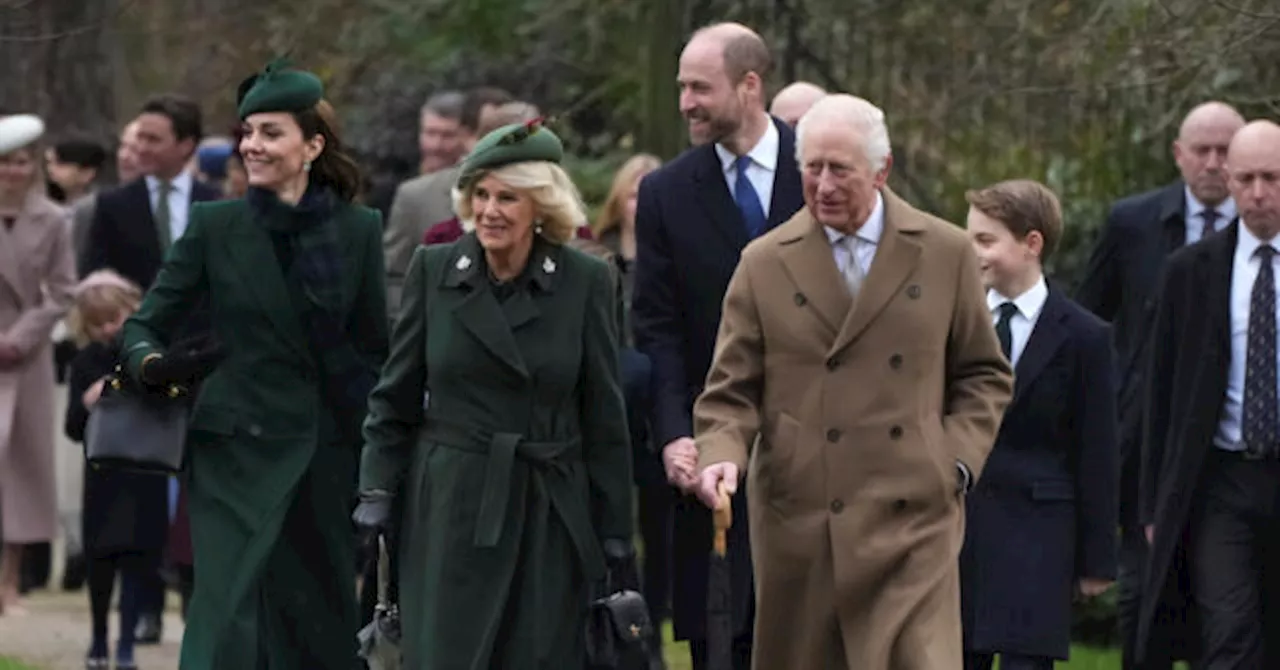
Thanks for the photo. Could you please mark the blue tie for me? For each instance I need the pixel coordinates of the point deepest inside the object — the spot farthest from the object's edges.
(748, 202)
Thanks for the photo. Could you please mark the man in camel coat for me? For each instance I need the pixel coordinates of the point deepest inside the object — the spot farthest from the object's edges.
(859, 383)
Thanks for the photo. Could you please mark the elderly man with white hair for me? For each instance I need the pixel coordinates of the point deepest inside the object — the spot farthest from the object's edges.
(794, 100)
(858, 384)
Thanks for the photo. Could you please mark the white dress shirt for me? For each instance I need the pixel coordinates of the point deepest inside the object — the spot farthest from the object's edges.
(1194, 221)
(866, 239)
(179, 202)
(1244, 270)
(1029, 305)
(764, 165)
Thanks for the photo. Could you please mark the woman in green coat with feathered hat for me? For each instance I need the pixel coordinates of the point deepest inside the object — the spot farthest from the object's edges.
(516, 475)
(293, 275)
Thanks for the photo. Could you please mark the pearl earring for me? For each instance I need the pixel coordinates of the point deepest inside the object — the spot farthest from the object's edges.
(306, 166)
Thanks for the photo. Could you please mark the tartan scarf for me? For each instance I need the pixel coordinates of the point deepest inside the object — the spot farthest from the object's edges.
(317, 271)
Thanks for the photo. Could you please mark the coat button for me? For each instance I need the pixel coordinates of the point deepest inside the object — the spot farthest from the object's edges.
(255, 430)
(833, 363)
(800, 299)
(895, 432)
(833, 435)
(913, 291)
(895, 361)
(837, 506)
(899, 505)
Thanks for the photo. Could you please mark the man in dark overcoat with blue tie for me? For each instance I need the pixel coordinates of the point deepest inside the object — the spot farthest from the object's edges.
(693, 218)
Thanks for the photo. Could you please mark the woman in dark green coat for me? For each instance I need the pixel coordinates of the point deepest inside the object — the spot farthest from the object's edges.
(292, 274)
(516, 475)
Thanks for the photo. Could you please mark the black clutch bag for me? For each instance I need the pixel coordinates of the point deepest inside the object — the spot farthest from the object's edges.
(136, 429)
(618, 629)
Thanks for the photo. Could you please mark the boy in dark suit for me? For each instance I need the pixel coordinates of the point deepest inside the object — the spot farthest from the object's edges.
(1042, 520)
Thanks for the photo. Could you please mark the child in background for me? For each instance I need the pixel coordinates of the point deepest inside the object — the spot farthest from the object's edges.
(125, 515)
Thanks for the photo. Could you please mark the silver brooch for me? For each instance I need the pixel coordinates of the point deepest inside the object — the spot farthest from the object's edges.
(463, 263)
(548, 265)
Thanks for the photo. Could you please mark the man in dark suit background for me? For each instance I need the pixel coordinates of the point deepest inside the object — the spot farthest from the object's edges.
(134, 224)
(1120, 287)
(1211, 453)
(132, 229)
(693, 218)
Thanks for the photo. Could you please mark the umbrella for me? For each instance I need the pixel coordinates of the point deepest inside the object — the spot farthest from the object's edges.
(720, 590)
(380, 640)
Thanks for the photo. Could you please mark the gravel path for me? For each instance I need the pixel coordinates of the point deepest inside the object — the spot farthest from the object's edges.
(54, 634)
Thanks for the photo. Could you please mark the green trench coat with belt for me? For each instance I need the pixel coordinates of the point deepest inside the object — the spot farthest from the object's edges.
(518, 468)
(270, 492)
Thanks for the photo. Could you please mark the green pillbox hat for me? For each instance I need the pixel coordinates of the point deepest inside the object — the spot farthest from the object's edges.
(515, 143)
(278, 88)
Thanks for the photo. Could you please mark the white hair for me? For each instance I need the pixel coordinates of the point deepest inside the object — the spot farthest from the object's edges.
(858, 116)
(556, 200)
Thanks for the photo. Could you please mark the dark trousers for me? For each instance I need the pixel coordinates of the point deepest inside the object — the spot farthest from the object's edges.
(655, 503)
(741, 653)
(975, 661)
(1234, 560)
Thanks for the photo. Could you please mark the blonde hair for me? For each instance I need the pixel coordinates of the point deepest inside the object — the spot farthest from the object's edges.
(628, 177)
(556, 201)
(100, 298)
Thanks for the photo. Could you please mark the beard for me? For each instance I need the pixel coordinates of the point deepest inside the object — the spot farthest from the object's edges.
(715, 127)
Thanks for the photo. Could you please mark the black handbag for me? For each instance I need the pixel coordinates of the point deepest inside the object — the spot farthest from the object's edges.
(618, 629)
(134, 429)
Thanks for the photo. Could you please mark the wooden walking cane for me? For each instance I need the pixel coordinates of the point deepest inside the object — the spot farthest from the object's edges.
(720, 587)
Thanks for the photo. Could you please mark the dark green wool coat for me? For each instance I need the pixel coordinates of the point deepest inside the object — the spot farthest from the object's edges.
(518, 468)
(270, 488)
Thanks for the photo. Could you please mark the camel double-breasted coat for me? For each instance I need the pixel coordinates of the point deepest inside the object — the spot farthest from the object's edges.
(858, 415)
(37, 276)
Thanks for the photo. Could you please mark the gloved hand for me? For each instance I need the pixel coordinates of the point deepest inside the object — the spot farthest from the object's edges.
(186, 363)
(373, 515)
(620, 560)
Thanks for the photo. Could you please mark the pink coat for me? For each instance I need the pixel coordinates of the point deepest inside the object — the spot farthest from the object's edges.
(37, 276)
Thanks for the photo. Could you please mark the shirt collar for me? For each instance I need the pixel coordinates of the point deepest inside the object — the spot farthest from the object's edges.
(870, 232)
(764, 153)
(1226, 210)
(1029, 303)
(1247, 243)
(181, 184)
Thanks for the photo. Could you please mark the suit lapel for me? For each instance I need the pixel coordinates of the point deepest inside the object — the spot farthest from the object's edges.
(1173, 216)
(253, 255)
(895, 260)
(1048, 335)
(139, 199)
(1213, 271)
(494, 324)
(712, 193)
(807, 259)
(787, 198)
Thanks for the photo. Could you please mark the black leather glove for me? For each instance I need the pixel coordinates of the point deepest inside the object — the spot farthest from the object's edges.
(373, 514)
(620, 560)
(186, 363)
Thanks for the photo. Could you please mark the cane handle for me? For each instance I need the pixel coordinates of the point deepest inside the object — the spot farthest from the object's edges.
(722, 517)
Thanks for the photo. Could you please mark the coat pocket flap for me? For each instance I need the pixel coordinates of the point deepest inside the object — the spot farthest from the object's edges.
(1053, 490)
(214, 420)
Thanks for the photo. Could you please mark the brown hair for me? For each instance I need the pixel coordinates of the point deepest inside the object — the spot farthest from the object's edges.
(629, 174)
(100, 298)
(1023, 206)
(334, 167)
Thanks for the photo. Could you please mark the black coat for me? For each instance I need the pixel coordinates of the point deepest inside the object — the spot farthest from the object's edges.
(1120, 286)
(123, 234)
(1190, 350)
(1045, 508)
(689, 236)
(123, 512)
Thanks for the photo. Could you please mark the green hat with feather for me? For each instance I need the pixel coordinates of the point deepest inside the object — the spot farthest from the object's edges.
(514, 143)
(278, 88)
